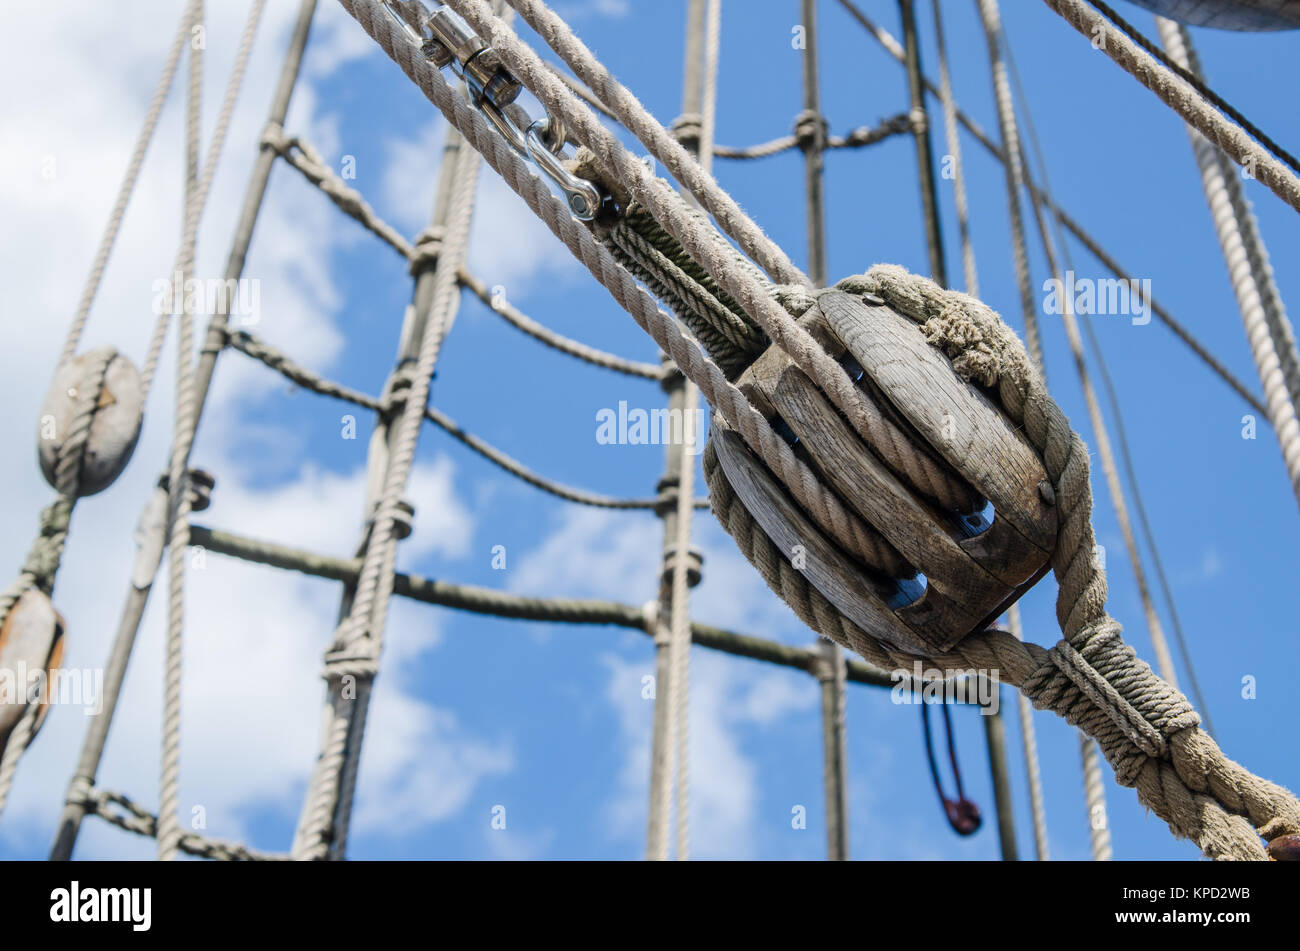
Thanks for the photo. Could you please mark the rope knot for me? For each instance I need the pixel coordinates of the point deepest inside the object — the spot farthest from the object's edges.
(275, 139)
(810, 130)
(349, 656)
(398, 385)
(687, 129)
(428, 248)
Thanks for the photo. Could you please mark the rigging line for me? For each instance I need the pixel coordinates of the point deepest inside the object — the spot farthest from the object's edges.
(557, 34)
(169, 822)
(892, 47)
(1197, 83)
(1105, 452)
(993, 724)
(1179, 96)
(276, 360)
(556, 341)
(129, 179)
(204, 183)
(856, 138)
(1121, 434)
(503, 604)
(1269, 332)
(150, 540)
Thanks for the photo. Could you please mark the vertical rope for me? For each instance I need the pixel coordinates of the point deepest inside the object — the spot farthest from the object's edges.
(995, 732)
(832, 666)
(680, 643)
(1042, 196)
(127, 188)
(1272, 342)
(952, 137)
(1092, 784)
(1015, 178)
(921, 135)
(169, 829)
(1029, 738)
(1094, 794)
(352, 661)
(153, 518)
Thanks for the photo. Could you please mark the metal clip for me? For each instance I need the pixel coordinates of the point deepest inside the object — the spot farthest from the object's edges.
(413, 17)
(584, 198)
(446, 39)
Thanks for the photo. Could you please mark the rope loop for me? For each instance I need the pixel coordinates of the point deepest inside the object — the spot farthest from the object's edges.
(428, 247)
(810, 130)
(687, 129)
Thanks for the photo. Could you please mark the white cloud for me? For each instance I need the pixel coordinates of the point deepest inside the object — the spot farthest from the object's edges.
(255, 635)
(599, 553)
(508, 244)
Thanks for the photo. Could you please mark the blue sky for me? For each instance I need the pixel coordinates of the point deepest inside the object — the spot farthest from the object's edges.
(473, 713)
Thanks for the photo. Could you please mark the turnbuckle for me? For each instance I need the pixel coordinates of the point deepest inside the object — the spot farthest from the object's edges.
(444, 39)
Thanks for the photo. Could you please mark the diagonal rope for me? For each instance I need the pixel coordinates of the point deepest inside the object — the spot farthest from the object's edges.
(1272, 341)
(1193, 78)
(204, 183)
(1183, 98)
(1103, 371)
(129, 179)
(637, 120)
(1202, 352)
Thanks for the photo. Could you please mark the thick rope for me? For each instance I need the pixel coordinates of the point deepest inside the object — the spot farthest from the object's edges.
(1146, 729)
(895, 50)
(186, 420)
(1179, 95)
(679, 643)
(1194, 79)
(661, 144)
(1272, 343)
(127, 188)
(1116, 410)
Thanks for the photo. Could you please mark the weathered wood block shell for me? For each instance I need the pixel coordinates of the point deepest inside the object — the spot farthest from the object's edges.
(973, 568)
(31, 639)
(114, 428)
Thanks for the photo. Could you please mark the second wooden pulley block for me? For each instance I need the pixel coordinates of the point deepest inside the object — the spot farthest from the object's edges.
(957, 515)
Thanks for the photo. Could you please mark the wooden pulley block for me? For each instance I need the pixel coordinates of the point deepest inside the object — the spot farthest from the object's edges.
(114, 428)
(963, 564)
(31, 640)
